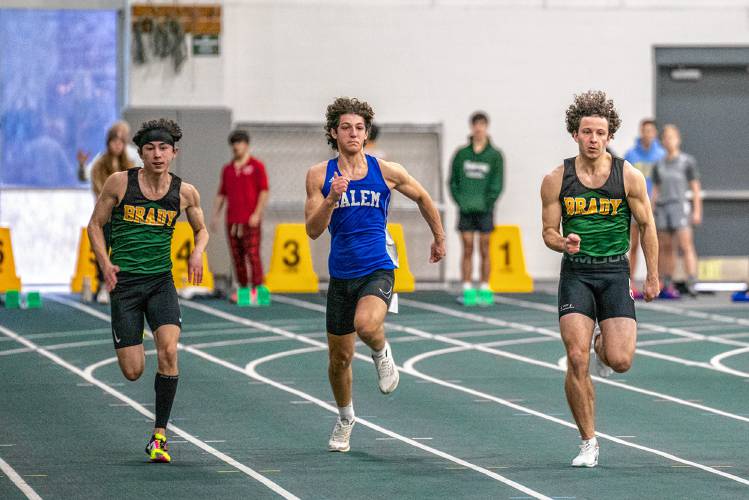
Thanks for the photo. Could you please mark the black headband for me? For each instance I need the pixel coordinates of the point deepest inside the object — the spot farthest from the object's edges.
(156, 135)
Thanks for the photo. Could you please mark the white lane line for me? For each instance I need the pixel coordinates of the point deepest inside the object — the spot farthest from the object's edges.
(408, 367)
(20, 350)
(525, 359)
(69, 333)
(251, 370)
(545, 331)
(401, 340)
(649, 326)
(480, 333)
(317, 346)
(665, 341)
(55, 347)
(469, 346)
(562, 363)
(734, 335)
(18, 481)
(86, 375)
(717, 361)
(224, 343)
(83, 343)
(695, 313)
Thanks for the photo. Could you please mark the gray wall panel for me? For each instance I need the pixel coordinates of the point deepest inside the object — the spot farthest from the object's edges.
(202, 151)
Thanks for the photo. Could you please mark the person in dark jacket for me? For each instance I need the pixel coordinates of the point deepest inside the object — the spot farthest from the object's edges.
(475, 184)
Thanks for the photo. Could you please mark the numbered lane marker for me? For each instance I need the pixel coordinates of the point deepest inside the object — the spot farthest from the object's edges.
(8, 278)
(291, 262)
(85, 267)
(404, 279)
(183, 243)
(508, 273)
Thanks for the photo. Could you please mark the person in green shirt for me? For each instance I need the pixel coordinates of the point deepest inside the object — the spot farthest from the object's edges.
(475, 184)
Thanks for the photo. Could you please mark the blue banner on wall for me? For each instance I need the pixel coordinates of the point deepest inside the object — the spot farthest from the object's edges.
(58, 92)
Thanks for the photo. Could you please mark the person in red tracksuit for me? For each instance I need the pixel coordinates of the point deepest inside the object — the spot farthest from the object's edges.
(244, 189)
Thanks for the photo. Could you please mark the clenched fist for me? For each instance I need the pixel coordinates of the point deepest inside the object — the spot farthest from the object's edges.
(338, 186)
(572, 244)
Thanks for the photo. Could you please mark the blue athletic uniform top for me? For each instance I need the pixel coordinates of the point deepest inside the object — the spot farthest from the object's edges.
(358, 245)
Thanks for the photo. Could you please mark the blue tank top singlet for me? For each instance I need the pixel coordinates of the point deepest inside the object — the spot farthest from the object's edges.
(358, 245)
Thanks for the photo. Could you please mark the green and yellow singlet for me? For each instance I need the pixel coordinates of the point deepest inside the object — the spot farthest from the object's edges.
(601, 217)
(142, 228)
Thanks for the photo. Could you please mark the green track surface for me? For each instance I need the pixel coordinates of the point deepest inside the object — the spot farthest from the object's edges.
(69, 439)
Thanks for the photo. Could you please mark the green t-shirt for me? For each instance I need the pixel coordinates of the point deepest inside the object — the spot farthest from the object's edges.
(476, 178)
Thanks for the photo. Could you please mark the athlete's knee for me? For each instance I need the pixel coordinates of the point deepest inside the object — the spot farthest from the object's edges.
(577, 361)
(168, 355)
(340, 360)
(367, 324)
(620, 363)
(132, 373)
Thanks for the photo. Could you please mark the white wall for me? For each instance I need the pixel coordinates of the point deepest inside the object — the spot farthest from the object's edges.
(45, 231)
(437, 61)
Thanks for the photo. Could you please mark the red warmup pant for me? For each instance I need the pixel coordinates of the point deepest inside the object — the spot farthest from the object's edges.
(244, 242)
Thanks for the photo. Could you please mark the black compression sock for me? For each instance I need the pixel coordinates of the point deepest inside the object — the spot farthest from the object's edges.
(165, 387)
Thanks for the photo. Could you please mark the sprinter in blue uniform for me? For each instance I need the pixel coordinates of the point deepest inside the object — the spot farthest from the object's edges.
(349, 195)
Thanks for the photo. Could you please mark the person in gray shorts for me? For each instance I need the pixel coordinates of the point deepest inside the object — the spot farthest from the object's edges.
(673, 176)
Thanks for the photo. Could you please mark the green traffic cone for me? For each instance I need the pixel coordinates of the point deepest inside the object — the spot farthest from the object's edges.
(33, 300)
(12, 299)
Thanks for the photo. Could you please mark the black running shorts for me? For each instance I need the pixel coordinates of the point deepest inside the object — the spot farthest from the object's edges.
(344, 295)
(139, 295)
(597, 287)
(482, 222)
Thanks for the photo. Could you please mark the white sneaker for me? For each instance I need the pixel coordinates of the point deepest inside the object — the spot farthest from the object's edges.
(598, 367)
(588, 456)
(339, 439)
(387, 372)
(103, 296)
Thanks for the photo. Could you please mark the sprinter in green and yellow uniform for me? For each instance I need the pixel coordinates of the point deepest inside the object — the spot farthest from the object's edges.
(594, 195)
(143, 205)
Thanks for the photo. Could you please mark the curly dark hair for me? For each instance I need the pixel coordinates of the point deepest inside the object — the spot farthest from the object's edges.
(592, 103)
(169, 126)
(343, 106)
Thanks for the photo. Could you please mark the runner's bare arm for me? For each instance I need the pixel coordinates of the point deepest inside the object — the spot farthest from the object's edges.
(551, 215)
(191, 200)
(318, 208)
(639, 204)
(551, 210)
(404, 183)
(112, 192)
